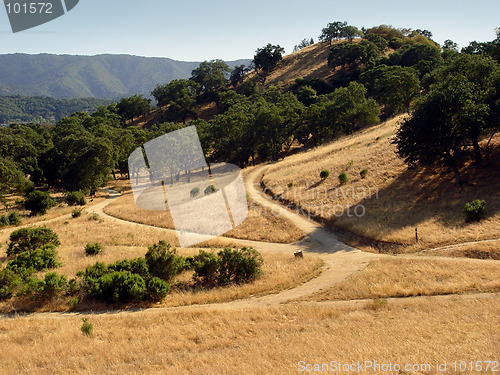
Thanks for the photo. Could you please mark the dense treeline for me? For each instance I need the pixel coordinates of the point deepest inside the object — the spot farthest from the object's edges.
(23, 109)
(453, 97)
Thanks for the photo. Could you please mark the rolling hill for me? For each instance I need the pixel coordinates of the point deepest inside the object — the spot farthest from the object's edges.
(101, 76)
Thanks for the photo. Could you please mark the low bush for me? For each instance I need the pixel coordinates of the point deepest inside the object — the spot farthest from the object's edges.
(229, 266)
(210, 189)
(194, 192)
(324, 174)
(363, 173)
(137, 266)
(87, 328)
(47, 288)
(119, 286)
(163, 262)
(290, 185)
(4, 221)
(29, 239)
(9, 281)
(157, 289)
(75, 198)
(40, 259)
(39, 202)
(93, 249)
(14, 218)
(343, 179)
(474, 211)
(77, 212)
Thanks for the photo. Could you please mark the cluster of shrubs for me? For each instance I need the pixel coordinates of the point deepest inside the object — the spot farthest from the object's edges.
(13, 218)
(228, 266)
(142, 279)
(32, 250)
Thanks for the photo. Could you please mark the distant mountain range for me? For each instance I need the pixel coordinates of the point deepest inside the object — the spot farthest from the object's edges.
(100, 76)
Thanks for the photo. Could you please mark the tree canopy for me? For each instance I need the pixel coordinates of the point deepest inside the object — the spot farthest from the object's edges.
(267, 58)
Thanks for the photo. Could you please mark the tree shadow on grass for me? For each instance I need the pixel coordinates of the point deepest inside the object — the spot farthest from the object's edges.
(424, 194)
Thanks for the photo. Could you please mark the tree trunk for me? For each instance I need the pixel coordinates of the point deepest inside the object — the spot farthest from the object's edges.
(477, 150)
(458, 177)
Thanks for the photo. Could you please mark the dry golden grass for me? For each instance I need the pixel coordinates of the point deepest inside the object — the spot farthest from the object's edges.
(310, 62)
(266, 340)
(61, 209)
(395, 199)
(405, 277)
(277, 229)
(480, 250)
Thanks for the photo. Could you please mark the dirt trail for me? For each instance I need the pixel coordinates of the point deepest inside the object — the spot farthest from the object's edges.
(340, 260)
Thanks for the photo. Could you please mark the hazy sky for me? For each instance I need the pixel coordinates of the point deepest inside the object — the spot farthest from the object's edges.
(202, 30)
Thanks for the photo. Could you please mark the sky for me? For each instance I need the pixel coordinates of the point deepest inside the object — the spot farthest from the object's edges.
(190, 30)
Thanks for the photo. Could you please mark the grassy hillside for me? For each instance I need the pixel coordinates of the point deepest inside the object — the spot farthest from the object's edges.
(101, 76)
(392, 200)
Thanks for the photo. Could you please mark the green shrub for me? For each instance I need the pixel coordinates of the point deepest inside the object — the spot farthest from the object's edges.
(290, 185)
(39, 202)
(28, 239)
(9, 281)
(474, 211)
(93, 248)
(157, 289)
(194, 192)
(14, 218)
(163, 262)
(343, 179)
(4, 221)
(119, 286)
(44, 289)
(210, 189)
(227, 267)
(137, 266)
(77, 212)
(363, 173)
(75, 198)
(324, 174)
(87, 328)
(206, 268)
(40, 259)
(91, 274)
(53, 284)
(238, 265)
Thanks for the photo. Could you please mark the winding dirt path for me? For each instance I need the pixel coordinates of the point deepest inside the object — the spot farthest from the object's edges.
(340, 260)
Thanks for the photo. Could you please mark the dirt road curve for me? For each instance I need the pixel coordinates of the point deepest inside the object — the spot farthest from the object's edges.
(340, 260)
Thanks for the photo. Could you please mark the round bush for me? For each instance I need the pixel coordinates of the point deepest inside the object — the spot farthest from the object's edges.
(474, 211)
(324, 174)
(210, 189)
(363, 173)
(93, 248)
(157, 289)
(4, 221)
(39, 202)
(343, 179)
(194, 191)
(163, 262)
(77, 212)
(75, 198)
